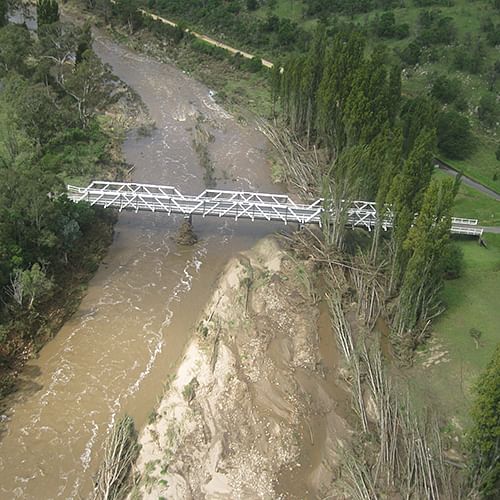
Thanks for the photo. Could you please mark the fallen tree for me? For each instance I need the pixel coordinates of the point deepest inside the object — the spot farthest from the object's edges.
(113, 478)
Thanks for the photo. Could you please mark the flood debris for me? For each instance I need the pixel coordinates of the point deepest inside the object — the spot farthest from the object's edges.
(113, 478)
(186, 235)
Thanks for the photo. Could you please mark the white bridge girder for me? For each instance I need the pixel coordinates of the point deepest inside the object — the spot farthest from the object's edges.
(235, 204)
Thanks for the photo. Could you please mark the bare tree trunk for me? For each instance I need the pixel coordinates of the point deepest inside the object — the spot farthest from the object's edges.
(120, 452)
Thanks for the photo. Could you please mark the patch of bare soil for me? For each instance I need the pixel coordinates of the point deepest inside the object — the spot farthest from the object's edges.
(255, 410)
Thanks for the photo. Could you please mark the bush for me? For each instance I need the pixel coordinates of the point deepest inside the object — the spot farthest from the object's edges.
(435, 28)
(252, 5)
(385, 27)
(454, 135)
(454, 259)
(446, 90)
(208, 49)
(470, 58)
(488, 110)
(253, 65)
(432, 3)
(411, 54)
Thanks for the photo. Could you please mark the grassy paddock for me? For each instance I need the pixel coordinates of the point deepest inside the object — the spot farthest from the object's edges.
(472, 302)
(482, 165)
(473, 204)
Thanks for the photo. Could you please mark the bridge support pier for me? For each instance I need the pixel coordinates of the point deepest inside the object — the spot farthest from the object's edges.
(186, 235)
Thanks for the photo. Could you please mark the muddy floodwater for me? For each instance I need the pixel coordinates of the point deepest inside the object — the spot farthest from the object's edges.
(125, 340)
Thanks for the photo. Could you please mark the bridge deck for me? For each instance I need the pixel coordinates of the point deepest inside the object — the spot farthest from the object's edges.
(235, 204)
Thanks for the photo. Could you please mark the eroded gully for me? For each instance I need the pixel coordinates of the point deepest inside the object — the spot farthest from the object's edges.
(118, 350)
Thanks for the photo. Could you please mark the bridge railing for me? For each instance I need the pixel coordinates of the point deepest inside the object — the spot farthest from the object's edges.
(221, 203)
(466, 222)
(472, 231)
(238, 205)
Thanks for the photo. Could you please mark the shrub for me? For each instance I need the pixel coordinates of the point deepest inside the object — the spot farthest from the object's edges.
(470, 58)
(454, 259)
(385, 27)
(488, 110)
(411, 54)
(435, 28)
(252, 5)
(454, 135)
(253, 65)
(446, 90)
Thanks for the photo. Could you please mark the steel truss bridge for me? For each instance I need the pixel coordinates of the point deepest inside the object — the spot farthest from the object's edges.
(236, 205)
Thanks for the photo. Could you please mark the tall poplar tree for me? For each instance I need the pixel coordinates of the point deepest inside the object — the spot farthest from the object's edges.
(423, 277)
(406, 195)
(394, 93)
(312, 78)
(416, 115)
(367, 107)
(342, 61)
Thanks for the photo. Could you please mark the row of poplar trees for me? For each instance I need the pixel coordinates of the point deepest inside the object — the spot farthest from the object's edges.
(379, 147)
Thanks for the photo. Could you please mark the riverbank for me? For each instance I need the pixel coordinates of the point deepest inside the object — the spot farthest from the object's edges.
(256, 408)
(128, 334)
(95, 152)
(26, 335)
(243, 92)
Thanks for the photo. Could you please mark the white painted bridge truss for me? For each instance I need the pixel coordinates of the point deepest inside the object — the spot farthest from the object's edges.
(234, 204)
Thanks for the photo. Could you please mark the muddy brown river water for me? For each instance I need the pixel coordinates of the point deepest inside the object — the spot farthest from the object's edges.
(129, 332)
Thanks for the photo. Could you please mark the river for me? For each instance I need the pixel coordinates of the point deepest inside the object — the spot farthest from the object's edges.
(117, 352)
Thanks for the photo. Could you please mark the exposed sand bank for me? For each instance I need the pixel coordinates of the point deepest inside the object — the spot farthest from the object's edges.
(255, 409)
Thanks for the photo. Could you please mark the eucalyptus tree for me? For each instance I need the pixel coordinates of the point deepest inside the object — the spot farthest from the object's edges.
(4, 8)
(47, 12)
(16, 46)
(90, 87)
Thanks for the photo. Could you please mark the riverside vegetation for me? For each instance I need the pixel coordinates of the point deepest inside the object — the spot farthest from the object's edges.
(53, 93)
(344, 130)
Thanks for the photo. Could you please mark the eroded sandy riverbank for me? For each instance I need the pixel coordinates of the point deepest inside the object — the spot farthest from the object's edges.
(255, 409)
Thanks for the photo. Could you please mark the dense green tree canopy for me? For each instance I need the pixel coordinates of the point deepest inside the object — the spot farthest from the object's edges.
(3, 12)
(455, 138)
(15, 47)
(488, 110)
(484, 437)
(48, 131)
(47, 12)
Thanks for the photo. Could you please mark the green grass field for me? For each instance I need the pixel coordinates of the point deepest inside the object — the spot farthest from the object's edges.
(473, 301)
(467, 16)
(472, 204)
